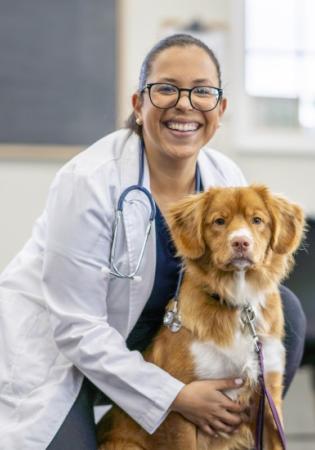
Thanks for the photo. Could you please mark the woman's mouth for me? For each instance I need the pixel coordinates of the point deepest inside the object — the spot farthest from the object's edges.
(182, 127)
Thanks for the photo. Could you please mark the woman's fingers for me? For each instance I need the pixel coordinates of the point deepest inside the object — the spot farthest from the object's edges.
(233, 420)
(203, 403)
(207, 429)
(226, 383)
(220, 426)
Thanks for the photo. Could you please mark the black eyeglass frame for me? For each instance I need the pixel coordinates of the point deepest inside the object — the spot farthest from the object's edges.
(179, 90)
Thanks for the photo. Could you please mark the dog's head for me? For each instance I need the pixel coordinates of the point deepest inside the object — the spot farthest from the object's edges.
(236, 228)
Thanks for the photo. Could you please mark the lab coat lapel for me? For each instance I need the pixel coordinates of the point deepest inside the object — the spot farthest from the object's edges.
(206, 171)
(136, 218)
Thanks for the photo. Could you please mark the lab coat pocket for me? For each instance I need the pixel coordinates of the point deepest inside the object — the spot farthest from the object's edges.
(35, 353)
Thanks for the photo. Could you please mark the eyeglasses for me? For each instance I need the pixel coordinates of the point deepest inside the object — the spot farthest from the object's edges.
(165, 95)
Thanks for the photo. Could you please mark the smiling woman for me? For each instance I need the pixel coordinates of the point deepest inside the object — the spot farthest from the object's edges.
(179, 105)
(82, 324)
(163, 131)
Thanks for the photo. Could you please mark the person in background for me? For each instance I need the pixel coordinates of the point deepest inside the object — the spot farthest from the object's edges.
(72, 324)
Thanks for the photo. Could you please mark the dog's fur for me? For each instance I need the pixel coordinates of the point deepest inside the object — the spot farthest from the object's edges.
(242, 259)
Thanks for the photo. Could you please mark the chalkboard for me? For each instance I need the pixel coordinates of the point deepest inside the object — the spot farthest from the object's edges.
(57, 71)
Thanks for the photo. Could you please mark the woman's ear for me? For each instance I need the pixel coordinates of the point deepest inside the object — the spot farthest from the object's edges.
(185, 220)
(136, 101)
(222, 106)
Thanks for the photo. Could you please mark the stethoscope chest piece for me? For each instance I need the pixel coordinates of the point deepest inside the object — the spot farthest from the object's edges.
(168, 318)
(172, 319)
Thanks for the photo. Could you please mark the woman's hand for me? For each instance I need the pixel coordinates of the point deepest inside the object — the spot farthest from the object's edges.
(204, 404)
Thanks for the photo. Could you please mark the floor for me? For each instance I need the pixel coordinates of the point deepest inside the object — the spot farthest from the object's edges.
(299, 412)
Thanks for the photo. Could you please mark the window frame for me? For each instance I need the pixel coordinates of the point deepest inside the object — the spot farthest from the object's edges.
(246, 137)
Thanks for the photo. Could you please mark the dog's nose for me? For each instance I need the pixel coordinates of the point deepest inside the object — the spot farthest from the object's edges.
(240, 243)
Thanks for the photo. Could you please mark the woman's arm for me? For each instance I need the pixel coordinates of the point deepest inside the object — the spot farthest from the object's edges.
(79, 216)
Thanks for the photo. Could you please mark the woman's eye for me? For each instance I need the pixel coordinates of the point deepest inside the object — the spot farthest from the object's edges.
(219, 221)
(166, 89)
(202, 91)
(256, 220)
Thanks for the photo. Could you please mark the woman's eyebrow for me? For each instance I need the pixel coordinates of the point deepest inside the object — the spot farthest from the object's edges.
(202, 80)
(168, 80)
(174, 80)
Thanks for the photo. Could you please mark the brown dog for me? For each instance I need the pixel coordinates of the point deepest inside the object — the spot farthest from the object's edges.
(237, 245)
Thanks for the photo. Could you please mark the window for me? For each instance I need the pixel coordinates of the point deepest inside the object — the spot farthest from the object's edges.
(280, 61)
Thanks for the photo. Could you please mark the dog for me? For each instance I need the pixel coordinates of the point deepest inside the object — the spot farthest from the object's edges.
(237, 244)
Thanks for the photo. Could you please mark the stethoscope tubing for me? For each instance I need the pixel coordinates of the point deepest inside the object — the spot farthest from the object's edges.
(114, 271)
(119, 215)
(137, 187)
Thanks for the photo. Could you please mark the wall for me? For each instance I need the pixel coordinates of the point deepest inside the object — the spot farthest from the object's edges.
(292, 176)
(23, 190)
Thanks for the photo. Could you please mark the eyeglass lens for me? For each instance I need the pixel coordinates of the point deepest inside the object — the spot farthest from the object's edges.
(203, 98)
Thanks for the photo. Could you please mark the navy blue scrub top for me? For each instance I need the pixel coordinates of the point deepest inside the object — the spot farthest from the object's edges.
(168, 267)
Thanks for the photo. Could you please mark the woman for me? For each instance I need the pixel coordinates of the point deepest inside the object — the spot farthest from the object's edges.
(64, 317)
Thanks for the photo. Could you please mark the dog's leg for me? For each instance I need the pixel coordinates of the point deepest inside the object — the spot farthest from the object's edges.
(175, 433)
(116, 431)
(274, 385)
(120, 445)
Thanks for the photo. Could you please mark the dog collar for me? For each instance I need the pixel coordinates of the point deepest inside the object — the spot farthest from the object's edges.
(217, 297)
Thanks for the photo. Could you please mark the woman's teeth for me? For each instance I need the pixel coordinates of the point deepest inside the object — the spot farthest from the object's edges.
(189, 126)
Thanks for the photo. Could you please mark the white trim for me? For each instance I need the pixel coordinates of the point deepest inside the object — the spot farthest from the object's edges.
(38, 152)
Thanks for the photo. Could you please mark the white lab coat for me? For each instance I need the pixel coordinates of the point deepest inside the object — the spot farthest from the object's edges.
(62, 318)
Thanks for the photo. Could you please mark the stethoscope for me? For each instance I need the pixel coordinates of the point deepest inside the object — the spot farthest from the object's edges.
(113, 270)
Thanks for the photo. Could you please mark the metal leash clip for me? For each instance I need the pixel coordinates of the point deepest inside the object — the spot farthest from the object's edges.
(248, 318)
(172, 319)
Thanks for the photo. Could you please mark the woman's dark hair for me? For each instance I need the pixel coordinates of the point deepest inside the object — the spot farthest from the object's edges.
(175, 40)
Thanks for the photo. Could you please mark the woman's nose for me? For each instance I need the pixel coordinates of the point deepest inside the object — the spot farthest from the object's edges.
(184, 101)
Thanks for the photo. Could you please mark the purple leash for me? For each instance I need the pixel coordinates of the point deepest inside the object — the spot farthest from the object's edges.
(261, 409)
(248, 318)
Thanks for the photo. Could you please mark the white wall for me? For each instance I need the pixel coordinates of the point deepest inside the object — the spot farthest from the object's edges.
(23, 190)
(292, 176)
(23, 186)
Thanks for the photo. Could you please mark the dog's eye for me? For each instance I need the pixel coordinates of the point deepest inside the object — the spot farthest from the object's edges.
(256, 220)
(219, 221)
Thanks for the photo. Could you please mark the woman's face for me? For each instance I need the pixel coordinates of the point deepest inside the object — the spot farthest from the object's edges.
(185, 67)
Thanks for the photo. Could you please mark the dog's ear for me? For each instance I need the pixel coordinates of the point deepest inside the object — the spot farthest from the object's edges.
(185, 219)
(288, 226)
(288, 222)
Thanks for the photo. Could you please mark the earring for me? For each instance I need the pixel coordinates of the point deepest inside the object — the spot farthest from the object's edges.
(138, 121)
(219, 124)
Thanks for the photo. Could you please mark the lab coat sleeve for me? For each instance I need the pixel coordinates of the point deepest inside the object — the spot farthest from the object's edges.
(77, 246)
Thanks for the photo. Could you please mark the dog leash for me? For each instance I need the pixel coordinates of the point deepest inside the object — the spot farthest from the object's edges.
(248, 317)
(172, 320)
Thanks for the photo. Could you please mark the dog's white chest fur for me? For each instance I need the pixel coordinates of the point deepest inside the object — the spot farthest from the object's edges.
(239, 359)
